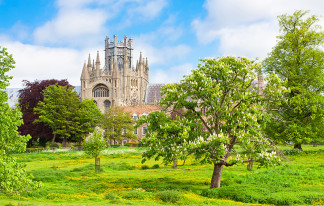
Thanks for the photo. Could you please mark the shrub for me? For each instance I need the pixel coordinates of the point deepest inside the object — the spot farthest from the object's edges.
(169, 196)
(145, 167)
(134, 195)
(155, 166)
(111, 196)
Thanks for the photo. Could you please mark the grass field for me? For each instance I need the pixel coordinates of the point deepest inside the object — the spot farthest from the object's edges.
(68, 178)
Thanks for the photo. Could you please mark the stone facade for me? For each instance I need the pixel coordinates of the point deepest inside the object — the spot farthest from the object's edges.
(118, 82)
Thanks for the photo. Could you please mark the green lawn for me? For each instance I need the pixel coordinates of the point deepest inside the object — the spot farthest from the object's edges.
(68, 178)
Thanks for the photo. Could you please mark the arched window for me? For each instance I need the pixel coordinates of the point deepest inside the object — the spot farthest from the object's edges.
(95, 102)
(100, 91)
(107, 103)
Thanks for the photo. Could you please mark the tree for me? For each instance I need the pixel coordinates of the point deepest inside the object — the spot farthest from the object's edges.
(166, 138)
(86, 119)
(65, 114)
(220, 98)
(298, 59)
(94, 146)
(117, 124)
(13, 177)
(28, 99)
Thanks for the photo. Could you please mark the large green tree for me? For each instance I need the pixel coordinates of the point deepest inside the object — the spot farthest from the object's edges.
(117, 124)
(298, 58)
(66, 115)
(221, 97)
(13, 177)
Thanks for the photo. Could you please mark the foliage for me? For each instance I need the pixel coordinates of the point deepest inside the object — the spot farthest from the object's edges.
(65, 114)
(169, 196)
(13, 177)
(117, 124)
(166, 138)
(28, 98)
(298, 58)
(95, 145)
(219, 97)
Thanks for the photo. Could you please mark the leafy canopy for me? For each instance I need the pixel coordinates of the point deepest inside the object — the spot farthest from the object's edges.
(166, 137)
(13, 177)
(95, 145)
(298, 58)
(28, 98)
(65, 114)
(117, 124)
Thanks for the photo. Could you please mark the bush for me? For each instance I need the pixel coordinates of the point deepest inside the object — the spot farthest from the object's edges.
(145, 167)
(155, 166)
(134, 195)
(111, 196)
(169, 196)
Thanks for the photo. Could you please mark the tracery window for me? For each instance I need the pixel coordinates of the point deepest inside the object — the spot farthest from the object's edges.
(100, 91)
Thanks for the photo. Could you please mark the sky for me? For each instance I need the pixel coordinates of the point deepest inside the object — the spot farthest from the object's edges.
(51, 39)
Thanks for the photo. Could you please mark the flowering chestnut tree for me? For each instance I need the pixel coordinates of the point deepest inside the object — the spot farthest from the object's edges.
(221, 97)
(166, 138)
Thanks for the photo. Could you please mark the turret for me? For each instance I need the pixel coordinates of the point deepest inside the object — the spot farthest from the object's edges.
(98, 72)
(85, 73)
(140, 59)
(89, 62)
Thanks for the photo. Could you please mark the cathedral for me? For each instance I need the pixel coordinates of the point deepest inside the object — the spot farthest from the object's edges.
(119, 82)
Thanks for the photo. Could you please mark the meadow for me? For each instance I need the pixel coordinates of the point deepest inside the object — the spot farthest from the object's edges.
(69, 178)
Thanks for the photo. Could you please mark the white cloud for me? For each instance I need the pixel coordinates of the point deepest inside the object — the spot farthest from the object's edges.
(171, 75)
(148, 9)
(247, 27)
(38, 62)
(74, 26)
(83, 22)
(164, 55)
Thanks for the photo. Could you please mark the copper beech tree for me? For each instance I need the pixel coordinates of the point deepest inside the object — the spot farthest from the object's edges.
(221, 99)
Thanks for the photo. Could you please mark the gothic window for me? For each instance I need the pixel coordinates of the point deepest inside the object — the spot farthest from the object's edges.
(107, 103)
(100, 91)
(135, 131)
(95, 102)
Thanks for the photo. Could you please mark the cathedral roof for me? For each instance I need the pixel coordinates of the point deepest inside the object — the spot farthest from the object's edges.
(153, 91)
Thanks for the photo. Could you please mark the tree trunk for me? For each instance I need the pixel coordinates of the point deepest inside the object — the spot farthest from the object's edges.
(53, 140)
(64, 142)
(250, 164)
(175, 163)
(217, 174)
(298, 146)
(97, 164)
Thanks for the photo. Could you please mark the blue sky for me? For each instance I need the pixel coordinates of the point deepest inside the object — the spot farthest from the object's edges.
(52, 38)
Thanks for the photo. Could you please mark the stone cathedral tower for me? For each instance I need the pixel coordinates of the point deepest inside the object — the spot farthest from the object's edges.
(119, 82)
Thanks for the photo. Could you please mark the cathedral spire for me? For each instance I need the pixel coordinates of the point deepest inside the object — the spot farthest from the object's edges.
(89, 61)
(140, 59)
(85, 73)
(98, 71)
(98, 60)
